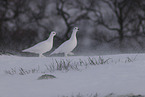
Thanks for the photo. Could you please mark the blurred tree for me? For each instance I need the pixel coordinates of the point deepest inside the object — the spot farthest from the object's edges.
(23, 23)
(18, 17)
(126, 14)
(73, 11)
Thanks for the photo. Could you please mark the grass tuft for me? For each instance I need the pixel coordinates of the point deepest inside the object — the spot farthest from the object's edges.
(109, 95)
(100, 60)
(67, 65)
(22, 71)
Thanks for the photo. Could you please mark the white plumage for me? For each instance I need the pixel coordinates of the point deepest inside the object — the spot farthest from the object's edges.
(43, 46)
(68, 45)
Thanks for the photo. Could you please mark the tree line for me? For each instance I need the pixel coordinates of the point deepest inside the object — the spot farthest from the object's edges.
(24, 23)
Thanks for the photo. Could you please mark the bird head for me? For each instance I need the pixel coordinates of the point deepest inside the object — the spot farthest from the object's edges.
(53, 33)
(76, 29)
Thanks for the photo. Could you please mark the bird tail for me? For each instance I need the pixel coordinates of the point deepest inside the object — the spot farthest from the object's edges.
(52, 53)
(25, 50)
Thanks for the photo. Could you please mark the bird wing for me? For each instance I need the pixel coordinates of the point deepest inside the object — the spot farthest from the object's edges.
(65, 47)
(61, 48)
(36, 47)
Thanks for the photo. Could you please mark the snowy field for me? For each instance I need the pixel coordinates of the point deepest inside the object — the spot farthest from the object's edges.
(122, 74)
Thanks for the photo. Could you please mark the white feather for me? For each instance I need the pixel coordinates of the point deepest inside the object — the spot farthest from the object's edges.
(68, 45)
(43, 46)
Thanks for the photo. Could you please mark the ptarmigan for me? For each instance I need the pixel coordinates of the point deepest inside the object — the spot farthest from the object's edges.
(43, 46)
(68, 45)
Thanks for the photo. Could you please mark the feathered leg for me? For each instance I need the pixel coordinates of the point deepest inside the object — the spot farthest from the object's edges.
(41, 55)
(71, 53)
(65, 54)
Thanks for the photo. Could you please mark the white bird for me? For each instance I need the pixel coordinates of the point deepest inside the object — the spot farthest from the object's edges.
(43, 46)
(68, 45)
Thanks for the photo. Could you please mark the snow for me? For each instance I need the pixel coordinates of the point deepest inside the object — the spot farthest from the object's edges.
(118, 76)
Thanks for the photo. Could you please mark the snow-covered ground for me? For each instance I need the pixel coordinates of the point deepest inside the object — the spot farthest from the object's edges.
(122, 74)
